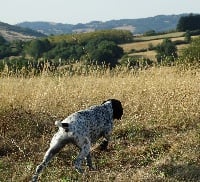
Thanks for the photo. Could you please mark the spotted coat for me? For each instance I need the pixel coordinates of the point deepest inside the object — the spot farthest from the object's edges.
(83, 128)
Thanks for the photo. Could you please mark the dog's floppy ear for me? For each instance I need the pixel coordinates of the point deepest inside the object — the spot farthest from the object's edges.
(117, 108)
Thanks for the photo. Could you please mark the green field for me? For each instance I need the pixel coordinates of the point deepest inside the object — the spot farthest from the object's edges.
(156, 140)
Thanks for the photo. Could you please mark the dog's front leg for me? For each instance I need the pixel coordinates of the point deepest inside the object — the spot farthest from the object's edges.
(104, 144)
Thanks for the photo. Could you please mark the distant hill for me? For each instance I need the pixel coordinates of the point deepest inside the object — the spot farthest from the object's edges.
(11, 32)
(158, 23)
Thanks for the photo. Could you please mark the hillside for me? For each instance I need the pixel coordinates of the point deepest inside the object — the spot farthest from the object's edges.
(10, 32)
(158, 23)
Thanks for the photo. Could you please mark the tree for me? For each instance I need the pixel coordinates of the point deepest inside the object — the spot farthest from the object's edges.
(150, 33)
(16, 47)
(191, 22)
(37, 47)
(2, 40)
(34, 49)
(187, 37)
(5, 49)
(166, 51)
(104, 52)
(65, 51)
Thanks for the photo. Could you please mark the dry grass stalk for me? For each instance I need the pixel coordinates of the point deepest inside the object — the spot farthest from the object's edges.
(157, 140)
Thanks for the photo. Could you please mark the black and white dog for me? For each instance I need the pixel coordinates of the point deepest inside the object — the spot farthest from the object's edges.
(83, 128)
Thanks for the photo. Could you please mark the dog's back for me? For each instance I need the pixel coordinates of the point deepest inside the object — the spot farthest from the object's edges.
(91, 123)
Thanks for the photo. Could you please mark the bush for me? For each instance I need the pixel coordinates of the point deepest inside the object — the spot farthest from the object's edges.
(106, 52)
(166, 52)
(150, 33)
(135, 62)
(191, 54)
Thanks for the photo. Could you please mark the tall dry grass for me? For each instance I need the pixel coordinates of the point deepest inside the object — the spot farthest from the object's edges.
(157, 139)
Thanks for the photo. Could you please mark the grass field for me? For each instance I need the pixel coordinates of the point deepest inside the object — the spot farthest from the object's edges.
(162, 36)
(156, 140)
(143, 42)
(151, 54)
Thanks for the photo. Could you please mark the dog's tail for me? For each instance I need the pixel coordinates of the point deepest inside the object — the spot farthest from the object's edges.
(58, 123)
(62, 125)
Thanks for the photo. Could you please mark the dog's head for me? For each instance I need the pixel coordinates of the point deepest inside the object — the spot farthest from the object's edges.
(117, 108)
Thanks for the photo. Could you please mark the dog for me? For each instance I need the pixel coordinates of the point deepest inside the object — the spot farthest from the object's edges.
(83, 128)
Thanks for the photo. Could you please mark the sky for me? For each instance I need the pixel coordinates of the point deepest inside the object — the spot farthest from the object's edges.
(84, 11)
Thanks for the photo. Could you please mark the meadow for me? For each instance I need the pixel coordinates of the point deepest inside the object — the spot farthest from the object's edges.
(141, 47)
(156, 140)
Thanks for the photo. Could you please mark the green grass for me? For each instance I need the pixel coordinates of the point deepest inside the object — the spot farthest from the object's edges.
(157, 139)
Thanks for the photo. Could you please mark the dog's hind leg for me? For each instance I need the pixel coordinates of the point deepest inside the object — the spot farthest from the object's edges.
(55, 146)
(84, 153)
(89, 162)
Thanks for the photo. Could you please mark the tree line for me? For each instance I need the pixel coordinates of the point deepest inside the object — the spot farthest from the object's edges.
(100, 47)
(189, 23)
(97, 47)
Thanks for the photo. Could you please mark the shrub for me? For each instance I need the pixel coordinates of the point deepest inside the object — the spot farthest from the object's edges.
(135, 62)
(191, 54)
(166, 52)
